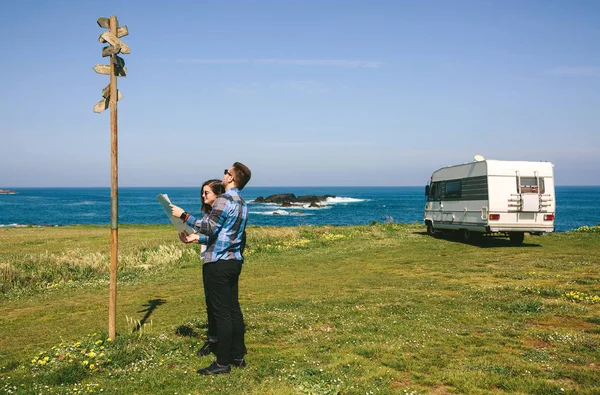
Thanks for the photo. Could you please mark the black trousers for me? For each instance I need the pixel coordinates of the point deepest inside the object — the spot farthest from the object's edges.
(222, 295)
(210, 314)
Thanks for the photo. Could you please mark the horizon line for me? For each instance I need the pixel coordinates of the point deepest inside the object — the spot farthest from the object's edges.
(256, 186)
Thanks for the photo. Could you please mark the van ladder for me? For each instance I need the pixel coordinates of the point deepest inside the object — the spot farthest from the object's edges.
(515, 200)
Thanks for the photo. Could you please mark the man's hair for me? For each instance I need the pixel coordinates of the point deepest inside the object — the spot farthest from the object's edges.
(242, 175)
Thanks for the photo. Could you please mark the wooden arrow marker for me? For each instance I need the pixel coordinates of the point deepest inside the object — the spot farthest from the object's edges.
(102, 69)
(103, 104)
(120, 71)
(106, 92)
(118, 61)
(105, 69)
(104, 22)
(111, 50)
(113, 40)
(122, 31)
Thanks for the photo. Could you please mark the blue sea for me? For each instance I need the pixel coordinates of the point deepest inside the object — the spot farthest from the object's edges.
(576, 206)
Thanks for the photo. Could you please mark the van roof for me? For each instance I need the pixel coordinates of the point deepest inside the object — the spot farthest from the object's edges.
(494, 168)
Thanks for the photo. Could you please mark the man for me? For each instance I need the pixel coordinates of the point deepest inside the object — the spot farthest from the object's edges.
(224, 228)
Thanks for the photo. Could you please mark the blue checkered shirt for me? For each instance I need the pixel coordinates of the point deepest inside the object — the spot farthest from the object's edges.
(223, 227)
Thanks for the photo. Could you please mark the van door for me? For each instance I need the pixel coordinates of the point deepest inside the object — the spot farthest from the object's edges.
(433, 207)
(530, 190)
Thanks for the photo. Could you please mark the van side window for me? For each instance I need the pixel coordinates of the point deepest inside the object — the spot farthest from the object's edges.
(432, 190)
(530, 185)
(453, 189)
(437, 192)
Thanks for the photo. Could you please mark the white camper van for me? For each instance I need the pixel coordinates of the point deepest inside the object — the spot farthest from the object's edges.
(491, 196)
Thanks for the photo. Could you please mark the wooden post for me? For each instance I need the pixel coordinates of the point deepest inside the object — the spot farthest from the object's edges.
(111, 95)
(114, 192)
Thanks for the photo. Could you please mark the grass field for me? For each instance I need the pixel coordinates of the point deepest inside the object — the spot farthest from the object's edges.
(362, 309)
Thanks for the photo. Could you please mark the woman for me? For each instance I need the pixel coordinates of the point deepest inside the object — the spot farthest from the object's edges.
(208, 194)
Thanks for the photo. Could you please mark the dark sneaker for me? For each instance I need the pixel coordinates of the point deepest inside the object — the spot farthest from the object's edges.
(207, 349)
(215, 368)
(239, 363)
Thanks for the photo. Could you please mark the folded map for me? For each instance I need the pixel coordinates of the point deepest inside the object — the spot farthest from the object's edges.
(181, 226)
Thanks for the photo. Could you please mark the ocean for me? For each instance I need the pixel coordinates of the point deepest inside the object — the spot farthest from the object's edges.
(576, 206)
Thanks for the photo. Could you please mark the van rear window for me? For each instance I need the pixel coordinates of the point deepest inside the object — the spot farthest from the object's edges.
(530, 185)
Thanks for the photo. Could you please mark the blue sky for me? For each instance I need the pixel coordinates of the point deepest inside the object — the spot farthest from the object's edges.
(303, 92)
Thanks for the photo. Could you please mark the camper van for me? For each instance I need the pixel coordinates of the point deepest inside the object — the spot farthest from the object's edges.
(491, 197)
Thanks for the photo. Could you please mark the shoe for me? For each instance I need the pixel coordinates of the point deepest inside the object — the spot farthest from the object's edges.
(207, 349)
(214, 368)
(239, 363)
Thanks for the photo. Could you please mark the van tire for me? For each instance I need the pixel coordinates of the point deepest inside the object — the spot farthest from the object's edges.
(469, 236)
(431, 231)
(516, 238)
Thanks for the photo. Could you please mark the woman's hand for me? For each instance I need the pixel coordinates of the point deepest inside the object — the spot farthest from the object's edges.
(176, 211)
(189, 239)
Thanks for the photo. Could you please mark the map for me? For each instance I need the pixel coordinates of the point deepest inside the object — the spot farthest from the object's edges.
(181, 226)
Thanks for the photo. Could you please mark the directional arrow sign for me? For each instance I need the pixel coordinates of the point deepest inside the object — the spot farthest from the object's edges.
(111, 50)
(119, 62)
(122, 31)
(120, 71)
(102, 69)
(105, 69)
(101, 105)
(104, 22)
(106, 93)
(104, 103)
(113, 40)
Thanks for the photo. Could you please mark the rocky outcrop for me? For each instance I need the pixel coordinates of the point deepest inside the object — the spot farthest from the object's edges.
(289, 199)
(278, 198)
(7, 192)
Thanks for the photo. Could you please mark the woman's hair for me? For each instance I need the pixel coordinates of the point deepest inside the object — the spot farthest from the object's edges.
(217, 187)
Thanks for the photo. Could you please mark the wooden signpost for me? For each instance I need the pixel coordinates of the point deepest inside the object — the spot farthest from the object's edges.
(110, 96)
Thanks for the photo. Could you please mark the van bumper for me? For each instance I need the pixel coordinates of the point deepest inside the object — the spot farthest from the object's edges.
(521, 228)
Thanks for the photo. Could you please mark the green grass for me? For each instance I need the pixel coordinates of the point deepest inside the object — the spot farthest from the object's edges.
(382, 308)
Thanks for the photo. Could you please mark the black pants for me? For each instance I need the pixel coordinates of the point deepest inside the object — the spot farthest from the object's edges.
(210, 314)
(222, 291)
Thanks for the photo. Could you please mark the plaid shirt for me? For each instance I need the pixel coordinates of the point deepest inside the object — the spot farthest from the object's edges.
(224, 227)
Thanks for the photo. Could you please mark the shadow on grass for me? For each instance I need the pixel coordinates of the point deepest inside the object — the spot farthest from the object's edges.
(186, 330)
(482, 241)
(151, 306)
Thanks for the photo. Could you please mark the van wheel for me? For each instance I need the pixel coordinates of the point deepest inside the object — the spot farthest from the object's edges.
(469, 237)
(516, 238)
(431, 230)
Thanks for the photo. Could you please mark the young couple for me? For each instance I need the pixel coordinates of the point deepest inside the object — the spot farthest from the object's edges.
(222, 230)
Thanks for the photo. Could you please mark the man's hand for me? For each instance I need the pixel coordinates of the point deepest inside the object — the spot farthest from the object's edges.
(189, 239)
(176, 211)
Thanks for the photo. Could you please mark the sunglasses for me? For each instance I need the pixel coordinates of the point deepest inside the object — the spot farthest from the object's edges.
(227, 172)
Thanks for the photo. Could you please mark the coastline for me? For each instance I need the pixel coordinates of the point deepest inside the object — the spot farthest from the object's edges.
(50, 207)
(150, 225)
